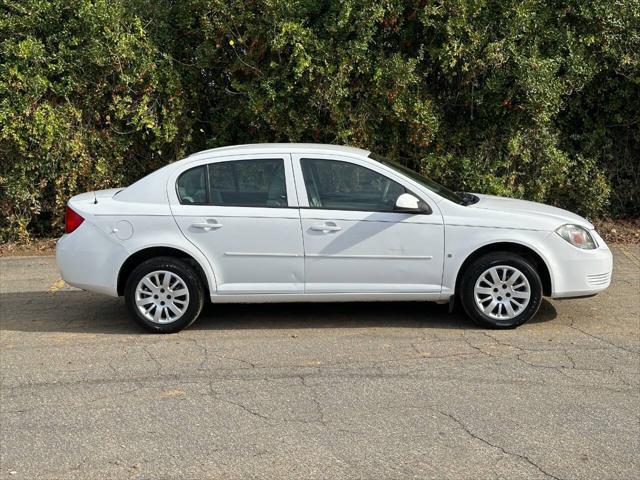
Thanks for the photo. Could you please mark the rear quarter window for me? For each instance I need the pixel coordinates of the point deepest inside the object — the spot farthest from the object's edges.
(192, 186)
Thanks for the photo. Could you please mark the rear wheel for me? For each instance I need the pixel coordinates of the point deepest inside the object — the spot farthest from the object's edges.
(501, 290)
(164, 295)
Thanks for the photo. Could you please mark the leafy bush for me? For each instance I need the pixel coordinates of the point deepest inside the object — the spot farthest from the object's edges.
(534, 99)
(87, 102)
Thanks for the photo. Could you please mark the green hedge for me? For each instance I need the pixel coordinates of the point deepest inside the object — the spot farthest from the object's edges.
(534, 99)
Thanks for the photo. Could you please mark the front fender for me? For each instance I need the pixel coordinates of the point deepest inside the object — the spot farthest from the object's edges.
(464, 241)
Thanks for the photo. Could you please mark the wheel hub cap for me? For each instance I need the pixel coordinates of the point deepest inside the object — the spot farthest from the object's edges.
(502, 292)
(162, 297)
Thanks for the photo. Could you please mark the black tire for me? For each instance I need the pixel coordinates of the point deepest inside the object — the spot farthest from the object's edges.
(478, 268)
(190, 279)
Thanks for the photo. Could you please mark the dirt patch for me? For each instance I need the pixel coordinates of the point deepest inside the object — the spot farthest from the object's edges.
(42, 246)
(626, 231)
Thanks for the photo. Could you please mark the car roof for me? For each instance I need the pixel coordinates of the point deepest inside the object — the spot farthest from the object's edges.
(283, 147)
(145, 190)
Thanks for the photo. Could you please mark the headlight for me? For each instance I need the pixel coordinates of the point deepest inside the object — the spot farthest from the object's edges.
(577, 236)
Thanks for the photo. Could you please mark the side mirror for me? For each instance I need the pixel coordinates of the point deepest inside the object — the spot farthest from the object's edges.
(409, 204)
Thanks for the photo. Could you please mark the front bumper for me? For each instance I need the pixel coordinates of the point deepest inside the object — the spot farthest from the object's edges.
(580, 273)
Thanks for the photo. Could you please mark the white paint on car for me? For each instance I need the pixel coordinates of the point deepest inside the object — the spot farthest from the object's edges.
(291, 246)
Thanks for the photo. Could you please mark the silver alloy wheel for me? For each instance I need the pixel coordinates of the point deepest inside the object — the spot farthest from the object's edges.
(502, 292)
(162, 297)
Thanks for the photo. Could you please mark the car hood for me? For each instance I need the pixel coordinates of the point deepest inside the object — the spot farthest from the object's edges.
(531, 209)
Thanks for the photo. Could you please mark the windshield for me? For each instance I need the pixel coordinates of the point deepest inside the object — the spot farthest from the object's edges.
(421, 179)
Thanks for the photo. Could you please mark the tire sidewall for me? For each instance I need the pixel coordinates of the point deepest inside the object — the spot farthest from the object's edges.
(482, 265)
(189, 277)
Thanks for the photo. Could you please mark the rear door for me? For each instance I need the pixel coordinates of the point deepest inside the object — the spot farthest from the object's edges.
(354, 240)
(241, 212)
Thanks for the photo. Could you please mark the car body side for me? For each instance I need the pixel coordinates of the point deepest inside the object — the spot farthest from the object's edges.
(122, 224)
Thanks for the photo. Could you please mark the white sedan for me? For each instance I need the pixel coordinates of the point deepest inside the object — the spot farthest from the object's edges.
(311, 223)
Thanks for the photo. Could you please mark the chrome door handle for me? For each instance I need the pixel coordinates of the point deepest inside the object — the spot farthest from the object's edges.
(326, 227)
(206, 226)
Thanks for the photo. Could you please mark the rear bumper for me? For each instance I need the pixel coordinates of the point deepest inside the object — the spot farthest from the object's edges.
(90, 260)
(580, 273)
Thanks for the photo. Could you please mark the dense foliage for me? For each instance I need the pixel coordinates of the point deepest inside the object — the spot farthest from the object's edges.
(538, 99)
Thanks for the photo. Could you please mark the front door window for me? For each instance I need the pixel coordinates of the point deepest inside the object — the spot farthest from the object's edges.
(336, 185)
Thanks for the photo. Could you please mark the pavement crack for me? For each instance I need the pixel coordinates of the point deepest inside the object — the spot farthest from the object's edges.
(245, 408)
(500, 342)
(475, 347)
(153, 359)
(113, 369)
(246, 362)
(205, 355)
(575, 327)
(557, 368)
(424, 355)
(562, 368)
(571, 360)
(418, 352)
(314, 399)
(250, 411)
(204, 350)
(497, 447)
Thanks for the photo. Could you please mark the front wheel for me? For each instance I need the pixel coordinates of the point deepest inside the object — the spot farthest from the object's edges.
(164, 295)
(501, 290)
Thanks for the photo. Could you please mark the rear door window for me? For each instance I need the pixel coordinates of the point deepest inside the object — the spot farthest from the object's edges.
(248, 183)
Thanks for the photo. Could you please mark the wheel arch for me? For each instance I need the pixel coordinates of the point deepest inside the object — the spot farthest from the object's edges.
(524, 251)
(146, 253)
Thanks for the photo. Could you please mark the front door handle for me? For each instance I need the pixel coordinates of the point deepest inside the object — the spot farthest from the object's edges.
(326, 227)
(207, 226)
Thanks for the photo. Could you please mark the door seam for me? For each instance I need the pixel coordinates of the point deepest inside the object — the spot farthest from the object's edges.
(304, 249)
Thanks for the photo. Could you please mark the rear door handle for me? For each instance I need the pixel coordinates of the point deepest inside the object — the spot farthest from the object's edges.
(326, 227)
(207, 226)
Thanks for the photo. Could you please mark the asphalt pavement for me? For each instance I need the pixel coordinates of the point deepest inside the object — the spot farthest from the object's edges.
(368, 391)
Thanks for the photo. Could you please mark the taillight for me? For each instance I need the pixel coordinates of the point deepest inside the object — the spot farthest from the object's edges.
(71, 220)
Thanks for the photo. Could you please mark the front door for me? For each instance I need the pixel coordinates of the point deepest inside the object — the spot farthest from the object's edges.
(241, 212)
(354, 240)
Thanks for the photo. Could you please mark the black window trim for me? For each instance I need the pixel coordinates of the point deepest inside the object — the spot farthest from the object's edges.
(208, 186)
(207, 183)
(428, 212)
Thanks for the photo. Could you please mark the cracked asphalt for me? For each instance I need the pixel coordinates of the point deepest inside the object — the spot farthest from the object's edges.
(371, 391)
